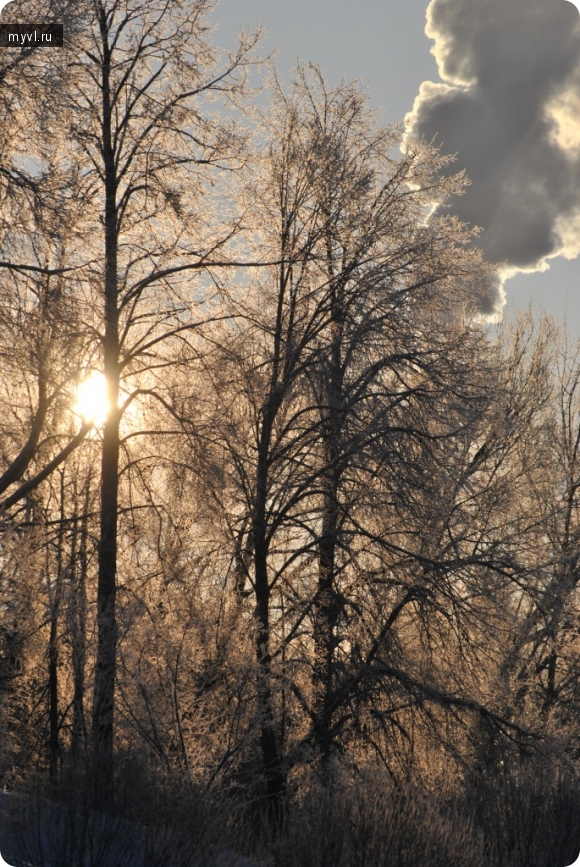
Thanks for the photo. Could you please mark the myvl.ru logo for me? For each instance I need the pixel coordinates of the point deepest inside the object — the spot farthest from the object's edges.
(31, 36)
(19, 35)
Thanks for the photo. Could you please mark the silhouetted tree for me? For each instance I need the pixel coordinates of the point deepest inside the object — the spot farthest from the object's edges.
(136, 113)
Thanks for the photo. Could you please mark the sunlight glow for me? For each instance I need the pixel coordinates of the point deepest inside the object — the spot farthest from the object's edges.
(92, 401)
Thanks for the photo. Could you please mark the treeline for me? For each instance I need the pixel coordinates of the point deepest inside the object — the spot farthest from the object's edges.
(328, 520)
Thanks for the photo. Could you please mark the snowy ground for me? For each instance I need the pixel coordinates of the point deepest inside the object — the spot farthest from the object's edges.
(37, 833)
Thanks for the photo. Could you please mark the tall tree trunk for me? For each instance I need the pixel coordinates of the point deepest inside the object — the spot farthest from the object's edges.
(79, 630)
(326, 616)
(53, 646)
(271, 758)
(327, 609)
(104, 695)
(53, 697)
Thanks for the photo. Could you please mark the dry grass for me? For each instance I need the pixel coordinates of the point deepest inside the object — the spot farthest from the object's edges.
(524, 817)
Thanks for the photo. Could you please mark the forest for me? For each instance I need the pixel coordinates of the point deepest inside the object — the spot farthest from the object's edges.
(290, 535)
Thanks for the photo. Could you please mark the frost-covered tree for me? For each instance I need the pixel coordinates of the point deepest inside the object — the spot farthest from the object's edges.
(343, 374)
(145, 144)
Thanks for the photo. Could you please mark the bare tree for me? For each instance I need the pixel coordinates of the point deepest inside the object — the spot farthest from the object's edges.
(145, 142)
(541, 663)
(329, 372)
(37, 311)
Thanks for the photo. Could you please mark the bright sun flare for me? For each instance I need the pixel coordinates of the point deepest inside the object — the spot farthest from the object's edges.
(92, 400)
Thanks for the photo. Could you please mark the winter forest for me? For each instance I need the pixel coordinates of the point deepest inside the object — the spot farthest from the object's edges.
(290, 535)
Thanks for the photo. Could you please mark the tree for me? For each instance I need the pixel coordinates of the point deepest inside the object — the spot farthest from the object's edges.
(328, 376)
(139, 85)
(542, 657)
(37, 313)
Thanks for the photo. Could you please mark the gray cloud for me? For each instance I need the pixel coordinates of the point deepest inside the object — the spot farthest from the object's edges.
(509, 106)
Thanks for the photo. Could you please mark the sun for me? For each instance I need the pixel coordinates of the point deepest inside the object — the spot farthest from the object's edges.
(92, 400)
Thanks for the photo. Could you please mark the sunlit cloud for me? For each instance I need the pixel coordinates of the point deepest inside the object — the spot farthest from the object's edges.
(508, 104)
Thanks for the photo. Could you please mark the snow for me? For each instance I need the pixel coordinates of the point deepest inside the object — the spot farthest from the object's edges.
(55, 835)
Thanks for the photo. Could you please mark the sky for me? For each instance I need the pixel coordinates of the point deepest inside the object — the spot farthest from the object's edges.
(495, 81)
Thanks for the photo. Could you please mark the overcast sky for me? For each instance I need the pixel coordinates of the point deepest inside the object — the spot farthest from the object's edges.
(497, 81)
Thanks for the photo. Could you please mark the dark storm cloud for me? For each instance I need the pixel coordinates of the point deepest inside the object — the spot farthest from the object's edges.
(509, 106)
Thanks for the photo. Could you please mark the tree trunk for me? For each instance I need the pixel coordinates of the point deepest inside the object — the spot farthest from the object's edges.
(79, 636)
(53, 697)
(53, 646)
(328, 607)
(104, 695)
(104, 698)
(326, 615)
(272, 762)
